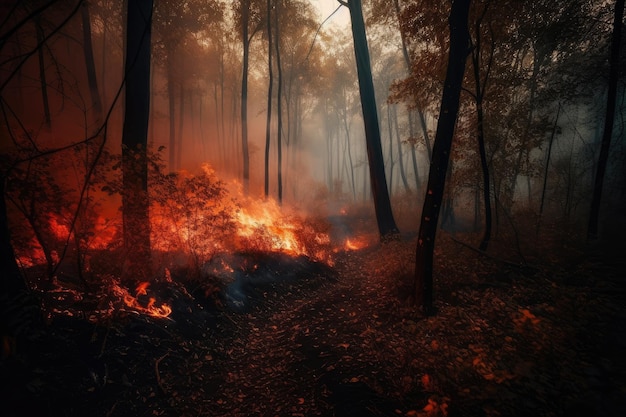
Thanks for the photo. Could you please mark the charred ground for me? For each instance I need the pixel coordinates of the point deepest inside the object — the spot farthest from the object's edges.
(546, 341)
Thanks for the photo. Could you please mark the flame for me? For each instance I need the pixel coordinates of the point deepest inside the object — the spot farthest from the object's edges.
(141, 288)
(133, 302)
(354, 244)
(265, 219)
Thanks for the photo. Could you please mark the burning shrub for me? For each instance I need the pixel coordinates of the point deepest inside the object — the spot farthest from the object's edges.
(191, 216)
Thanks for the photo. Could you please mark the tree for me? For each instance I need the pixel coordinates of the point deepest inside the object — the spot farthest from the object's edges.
(89, 61)
(459, 50)
(592, 229)
(279, 106)
(480, 85)
(270, 86)
(135, 203)
(12, 281)
(248, 16)
(384, 215)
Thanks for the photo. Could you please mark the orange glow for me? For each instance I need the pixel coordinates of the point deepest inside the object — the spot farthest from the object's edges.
(60, 230)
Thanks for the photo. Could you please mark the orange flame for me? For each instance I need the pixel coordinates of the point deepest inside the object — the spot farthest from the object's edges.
(150, 309)
(267, 216)
(354, 244)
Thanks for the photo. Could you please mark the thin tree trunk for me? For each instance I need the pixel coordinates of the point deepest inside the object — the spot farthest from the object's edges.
(592, 229)
(384, 215)
(391, 160)
(405, 182)
(459, 50)
(171, 95)
(42, 73)
(244, 95)
(480, 134)
(279, 107)
(89, 62)
(348, 150)
(181, 120)
(268, 120)
(545, 173)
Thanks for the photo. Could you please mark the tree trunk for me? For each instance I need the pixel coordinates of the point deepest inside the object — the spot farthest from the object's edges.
(89, 62)
(171, 96)
(42, 73)
(181, 119)
(12, 281)
(268, 120)
(384, 215)
(391, 161)
(244, 94)
(405, 182)
(279, 107)
(480, 137)
(545, 173)
(459, 50)
(135, 204)
(592, 229)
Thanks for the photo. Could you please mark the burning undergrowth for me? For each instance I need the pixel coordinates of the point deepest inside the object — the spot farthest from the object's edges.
(213, 248)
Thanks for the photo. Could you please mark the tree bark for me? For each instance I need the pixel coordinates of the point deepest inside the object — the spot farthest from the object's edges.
(459, 50)
(135, 204)
(384, 215)
(592, 229)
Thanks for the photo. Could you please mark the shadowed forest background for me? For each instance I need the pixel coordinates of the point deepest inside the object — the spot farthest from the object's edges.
(260, 183)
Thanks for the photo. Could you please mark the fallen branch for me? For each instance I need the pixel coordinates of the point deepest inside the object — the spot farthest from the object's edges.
(156, 371)
(517, 265)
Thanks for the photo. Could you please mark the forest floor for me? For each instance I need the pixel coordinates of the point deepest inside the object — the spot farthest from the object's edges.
(546, 340)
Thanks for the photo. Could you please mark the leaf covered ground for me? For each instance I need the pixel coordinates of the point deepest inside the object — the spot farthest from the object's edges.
(546, 340)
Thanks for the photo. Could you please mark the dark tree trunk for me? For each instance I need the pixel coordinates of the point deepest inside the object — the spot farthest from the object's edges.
(181, 125)
(459, 50)
(12, 281)
(391, 161)
(89, 62)
(268, 120)
(171, 97)
(405, 182)
(592, 229)
(384, 215)
(279, 107)
(545, 173)
(244, 93)
(135, 204)
(480, 135)
(42, 73)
